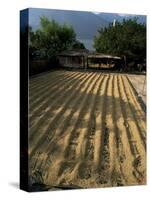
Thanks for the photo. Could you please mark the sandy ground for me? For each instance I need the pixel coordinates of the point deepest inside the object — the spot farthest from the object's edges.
(139, 83)
(87, 129)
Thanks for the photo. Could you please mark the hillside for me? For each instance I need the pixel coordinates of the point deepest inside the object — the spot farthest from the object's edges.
(85, 24)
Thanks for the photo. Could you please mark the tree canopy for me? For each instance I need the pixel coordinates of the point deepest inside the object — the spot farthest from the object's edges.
(126, 38)
(52, 37)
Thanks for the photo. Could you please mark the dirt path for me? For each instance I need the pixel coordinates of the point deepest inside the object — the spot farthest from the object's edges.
(87, 129)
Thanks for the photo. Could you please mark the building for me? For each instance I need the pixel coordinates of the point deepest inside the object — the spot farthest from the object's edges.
(73, 58)
(84, 59)
(103, 61)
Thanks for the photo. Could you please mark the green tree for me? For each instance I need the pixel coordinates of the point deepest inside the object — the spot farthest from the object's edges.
(52, 37)
(78, 45)
(127, 38)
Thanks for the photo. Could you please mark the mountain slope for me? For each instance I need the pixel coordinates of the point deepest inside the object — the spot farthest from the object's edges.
(85, 24)
(119, 17)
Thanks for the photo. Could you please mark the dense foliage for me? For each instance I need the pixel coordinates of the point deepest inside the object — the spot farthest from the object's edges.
(127, 38)
(52, 38)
